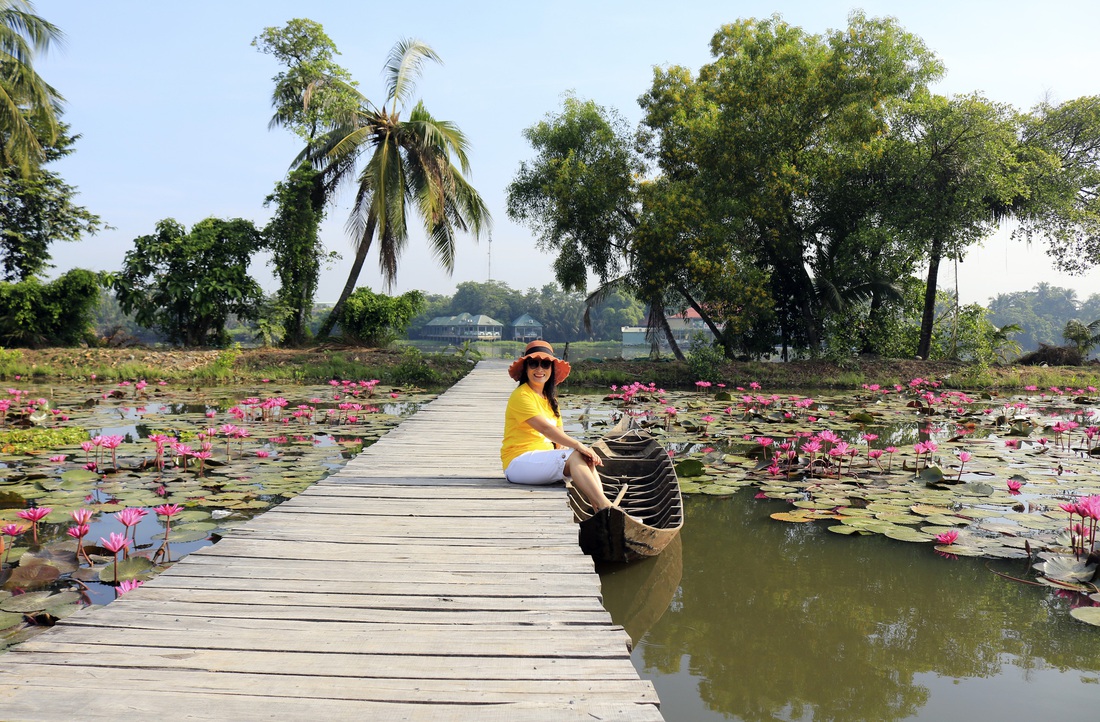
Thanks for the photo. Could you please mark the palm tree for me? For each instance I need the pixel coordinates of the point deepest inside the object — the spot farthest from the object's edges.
(28, 105)
(409, 161)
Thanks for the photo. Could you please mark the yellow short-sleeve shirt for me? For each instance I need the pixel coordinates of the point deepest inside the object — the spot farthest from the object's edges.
(521, 437)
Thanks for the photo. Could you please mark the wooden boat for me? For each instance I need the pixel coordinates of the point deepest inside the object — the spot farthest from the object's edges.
(649, 511)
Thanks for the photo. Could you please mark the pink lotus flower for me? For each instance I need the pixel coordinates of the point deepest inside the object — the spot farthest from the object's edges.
(947, 537)
(81, 516)
(116, 543)
(1013, 486)
(130, 516)
(128, 586)
(168, 510)
(78, 532)
(13, 530)
(34, 516)
(60, 458)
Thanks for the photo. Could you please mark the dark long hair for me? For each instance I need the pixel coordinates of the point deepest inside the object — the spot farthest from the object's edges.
(549, 389)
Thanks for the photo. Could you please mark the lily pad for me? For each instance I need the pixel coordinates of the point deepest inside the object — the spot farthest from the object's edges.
(1088, 615)
(1066, 569)
(37, 601)
(138, 568)
(32, 577)
(9, 619)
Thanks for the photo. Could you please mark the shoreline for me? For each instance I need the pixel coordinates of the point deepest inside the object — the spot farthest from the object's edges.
(410, 366)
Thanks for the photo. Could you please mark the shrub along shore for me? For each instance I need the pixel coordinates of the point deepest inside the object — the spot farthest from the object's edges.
(411, 366)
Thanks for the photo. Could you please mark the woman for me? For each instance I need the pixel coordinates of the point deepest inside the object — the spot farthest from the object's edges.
(535, 449)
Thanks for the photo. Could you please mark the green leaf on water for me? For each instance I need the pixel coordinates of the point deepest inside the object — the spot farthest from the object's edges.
(133, 568)
(9, 619)
(1066, 569)
(32, 577)
(689, 468)
(1088, 615)
(37, 601)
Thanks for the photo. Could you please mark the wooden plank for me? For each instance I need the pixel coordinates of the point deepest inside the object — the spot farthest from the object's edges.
(325, 598)
(372, 586)
(328, 664)
(200, 682)
(65, 705)
(342, 570)
(440, 617)
(348, 638)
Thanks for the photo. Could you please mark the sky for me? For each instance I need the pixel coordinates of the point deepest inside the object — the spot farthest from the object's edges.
(172, 104)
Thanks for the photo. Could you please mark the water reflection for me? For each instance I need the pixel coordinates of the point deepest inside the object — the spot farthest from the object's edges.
(785, 621)
(642, 592)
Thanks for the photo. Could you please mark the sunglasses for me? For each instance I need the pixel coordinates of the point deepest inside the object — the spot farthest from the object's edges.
(539, 363)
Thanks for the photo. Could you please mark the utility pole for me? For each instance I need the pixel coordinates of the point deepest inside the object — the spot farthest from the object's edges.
(490, 254)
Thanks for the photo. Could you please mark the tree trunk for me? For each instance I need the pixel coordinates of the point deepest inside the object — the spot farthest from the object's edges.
(924, 346)
(874, 320)
(353, 278)
(668, 334)
(718, 334)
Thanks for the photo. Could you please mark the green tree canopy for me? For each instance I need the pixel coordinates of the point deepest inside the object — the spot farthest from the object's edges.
(36, 209)
(1061, 145)
(186, 284)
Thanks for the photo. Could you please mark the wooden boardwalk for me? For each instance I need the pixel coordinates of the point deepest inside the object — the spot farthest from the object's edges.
(416, 584)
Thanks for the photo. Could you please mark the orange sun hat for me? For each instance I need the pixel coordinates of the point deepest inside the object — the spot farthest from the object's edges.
(539, 349)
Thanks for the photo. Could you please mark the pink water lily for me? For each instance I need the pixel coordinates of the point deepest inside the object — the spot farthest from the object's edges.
(947, 537)
(34, 516)
(128, 586)
(115, 543)
(1013, 486)
(964, 456)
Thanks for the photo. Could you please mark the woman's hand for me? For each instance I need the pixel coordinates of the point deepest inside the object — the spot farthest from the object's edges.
(590, 457)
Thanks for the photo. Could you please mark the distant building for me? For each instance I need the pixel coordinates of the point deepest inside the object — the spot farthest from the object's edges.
(685, 328)
(526, 328)
(461, 328)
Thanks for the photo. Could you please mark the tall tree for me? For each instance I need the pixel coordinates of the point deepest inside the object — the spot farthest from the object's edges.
(581, 195)
(28, 104)
(36, 209)
(296, 254)
(409, 168)
(309, 97)
(956, 174)
(767, 132)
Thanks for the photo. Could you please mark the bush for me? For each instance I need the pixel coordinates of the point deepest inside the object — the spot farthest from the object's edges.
(375, 319)
(60, 313)
(1052, 356)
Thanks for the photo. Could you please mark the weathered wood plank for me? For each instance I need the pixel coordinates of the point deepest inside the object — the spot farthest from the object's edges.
(447, 691)
(373, 586)
(441, 617)
(328, 664)
(324, 598)
(346, 638)
(130, 703)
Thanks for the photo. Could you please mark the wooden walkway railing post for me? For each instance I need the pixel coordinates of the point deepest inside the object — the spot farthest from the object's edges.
(415, 584)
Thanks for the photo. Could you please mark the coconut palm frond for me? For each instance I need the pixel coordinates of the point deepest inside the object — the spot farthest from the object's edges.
(404, 68)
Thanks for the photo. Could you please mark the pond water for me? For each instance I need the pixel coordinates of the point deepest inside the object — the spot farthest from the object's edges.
(757, 620)
(194, 462)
